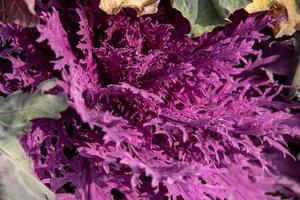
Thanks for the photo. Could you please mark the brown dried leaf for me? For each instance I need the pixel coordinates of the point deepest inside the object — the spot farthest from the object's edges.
(142, 7)
(18, 11)
(287, 8)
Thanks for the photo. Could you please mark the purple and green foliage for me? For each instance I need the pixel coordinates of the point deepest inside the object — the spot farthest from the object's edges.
(154, 113)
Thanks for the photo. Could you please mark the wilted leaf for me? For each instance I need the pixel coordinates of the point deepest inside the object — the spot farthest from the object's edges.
(18, 11)
(16, 178)
(142, 7)
(289, 9)
(258, 5)
(204, 15)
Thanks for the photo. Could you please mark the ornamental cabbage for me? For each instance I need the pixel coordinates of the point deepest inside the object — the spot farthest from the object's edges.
(154, 113)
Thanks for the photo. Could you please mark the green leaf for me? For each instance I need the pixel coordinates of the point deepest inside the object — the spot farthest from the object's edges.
(204, 15)
(17, 180)
(16, 177)
(18, 109)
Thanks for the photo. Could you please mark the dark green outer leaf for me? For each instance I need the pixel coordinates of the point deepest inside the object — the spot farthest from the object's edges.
(18, 109)
(204, 15)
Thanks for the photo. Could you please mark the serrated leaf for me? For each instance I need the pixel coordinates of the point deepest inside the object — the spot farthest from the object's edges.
(18, 11)
(16, 177)
(142, 7)
(286, 8)
(204, 15)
